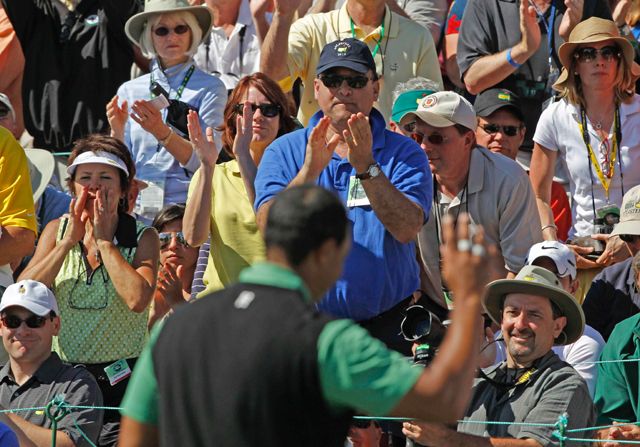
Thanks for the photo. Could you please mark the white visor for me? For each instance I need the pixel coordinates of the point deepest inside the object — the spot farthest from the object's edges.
(100, 157)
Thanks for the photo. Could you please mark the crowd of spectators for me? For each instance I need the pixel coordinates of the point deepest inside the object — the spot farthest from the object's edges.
(168, 245)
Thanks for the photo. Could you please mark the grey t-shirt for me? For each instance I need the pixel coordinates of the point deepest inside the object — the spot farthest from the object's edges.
(491, 26)
(75, 384)
(552, 389)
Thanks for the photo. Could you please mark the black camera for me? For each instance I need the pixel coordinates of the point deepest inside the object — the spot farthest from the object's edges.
(176, 112)
(423, 327)
(605, 224)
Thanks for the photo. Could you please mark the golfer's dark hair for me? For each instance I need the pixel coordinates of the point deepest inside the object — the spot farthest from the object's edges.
(302, 218)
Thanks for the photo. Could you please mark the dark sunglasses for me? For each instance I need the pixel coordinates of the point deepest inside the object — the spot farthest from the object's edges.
(434, 138)
(33, 322)
(163, 30)
(268, 110)
(165, 239)
(588, 54)
(631, 238)
(510, 131)
(409, 127)
(335, 81)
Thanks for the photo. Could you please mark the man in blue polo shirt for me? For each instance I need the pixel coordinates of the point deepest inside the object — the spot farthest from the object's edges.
(381, 176)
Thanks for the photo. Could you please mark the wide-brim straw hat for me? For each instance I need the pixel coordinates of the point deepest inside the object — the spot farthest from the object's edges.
(135, 25)
(593, 30)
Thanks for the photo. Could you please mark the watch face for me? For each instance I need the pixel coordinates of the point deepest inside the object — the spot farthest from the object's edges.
(374, 171)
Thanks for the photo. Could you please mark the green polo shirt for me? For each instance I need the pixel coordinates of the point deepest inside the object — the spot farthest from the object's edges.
(356, 370)
(616, 395)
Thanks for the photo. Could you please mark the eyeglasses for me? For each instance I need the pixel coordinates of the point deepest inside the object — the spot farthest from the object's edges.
(165, 239)
(162, 31)
(3, 113)
(33, 322)
(409, 127)
(510, 131)
(268, 110)
(335, 81)
(434, 138)
(588, 54)
(631, 238)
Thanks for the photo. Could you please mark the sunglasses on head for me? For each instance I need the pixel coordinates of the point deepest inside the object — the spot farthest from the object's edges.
(434, 138)
(335, 81)
(510, 131)
(588, 54)
(33, 321)
(268, 110)
(165, 238)
(164, 31)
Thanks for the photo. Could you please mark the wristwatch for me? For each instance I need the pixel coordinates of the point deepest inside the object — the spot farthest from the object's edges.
(372, 172)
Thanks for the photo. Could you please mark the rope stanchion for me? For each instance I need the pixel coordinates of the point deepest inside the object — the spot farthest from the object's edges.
(56, 410)
(561, 429)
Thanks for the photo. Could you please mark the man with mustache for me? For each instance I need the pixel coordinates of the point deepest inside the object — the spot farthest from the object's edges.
(533, 385)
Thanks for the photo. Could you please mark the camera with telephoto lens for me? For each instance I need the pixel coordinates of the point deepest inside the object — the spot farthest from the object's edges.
(176, 112)
(423, 327)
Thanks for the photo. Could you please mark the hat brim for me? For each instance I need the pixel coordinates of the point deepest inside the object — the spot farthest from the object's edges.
(565, 53)
(489, 110)
(35, 308)
(432, 119)
(44, 163)
(569, 307)
(352, 65)
(631, 227)
(135, 25)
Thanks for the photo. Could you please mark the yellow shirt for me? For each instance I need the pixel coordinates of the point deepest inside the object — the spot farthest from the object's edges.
(236, 242)
(406, 51)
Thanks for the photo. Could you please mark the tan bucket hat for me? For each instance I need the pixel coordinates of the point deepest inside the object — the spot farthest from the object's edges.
(135, 25)
(535, 280)
(593, 30)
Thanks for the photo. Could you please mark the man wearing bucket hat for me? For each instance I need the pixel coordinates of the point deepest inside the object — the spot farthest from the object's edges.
(615, 292)
(29, 319)
(381, 176)
(76, 56)
(533, 384)
(492, 189)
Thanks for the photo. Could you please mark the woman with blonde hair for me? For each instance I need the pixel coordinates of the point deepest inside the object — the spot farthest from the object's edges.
(594, 130)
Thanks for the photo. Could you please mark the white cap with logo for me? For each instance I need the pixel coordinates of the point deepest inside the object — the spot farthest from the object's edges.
(32, 295)
(629, 213)
(559, 253)
(444, 109)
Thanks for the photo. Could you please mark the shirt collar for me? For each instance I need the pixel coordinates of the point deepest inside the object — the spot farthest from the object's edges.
(476, 170)
(376, 119)
(46, 373)
(391, 26)
(269, 274)
(171, 72)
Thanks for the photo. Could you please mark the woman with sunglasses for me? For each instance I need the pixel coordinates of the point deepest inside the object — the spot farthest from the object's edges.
(221, 196)
(177, 264)
(593, 130)
(169, 32)
(101, 264)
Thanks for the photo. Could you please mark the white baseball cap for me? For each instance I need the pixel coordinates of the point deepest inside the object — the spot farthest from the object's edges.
(629, 213)
(444, 109)
(32, 295)
(559, 253)
(101, 157)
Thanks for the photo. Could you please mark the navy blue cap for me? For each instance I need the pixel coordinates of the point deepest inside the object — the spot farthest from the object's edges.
(346, 53)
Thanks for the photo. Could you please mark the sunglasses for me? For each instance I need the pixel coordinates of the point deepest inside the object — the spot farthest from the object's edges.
(510, 131)
(162, 31)
(434, 138)
(165, 239)
(335, 81)
(588, 54)
(33, 322)
(268, 110)
(409, 127)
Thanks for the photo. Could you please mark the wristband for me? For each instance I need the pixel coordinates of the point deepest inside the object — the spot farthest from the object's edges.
(513, 63)
(549, 226)
(166, 139)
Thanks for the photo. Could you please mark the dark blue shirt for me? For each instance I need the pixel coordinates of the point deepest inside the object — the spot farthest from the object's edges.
(379, 271)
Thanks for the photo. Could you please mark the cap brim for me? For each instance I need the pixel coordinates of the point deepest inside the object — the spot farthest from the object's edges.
(352, 65)
(44, 163)
(134, 26)
(30, 306)
(632, 228)
(432, 119)
(495, 291)
(490, 109)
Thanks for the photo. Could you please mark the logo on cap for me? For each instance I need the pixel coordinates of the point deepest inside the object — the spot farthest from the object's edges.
(529, 278)
(504, 96)
(430, 101)
(341, 48)
(22, 290)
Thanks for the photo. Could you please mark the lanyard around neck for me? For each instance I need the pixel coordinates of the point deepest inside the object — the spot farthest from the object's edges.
(378, 41)
(185, 80)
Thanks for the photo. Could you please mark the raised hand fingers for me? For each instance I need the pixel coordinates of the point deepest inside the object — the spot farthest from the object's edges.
(193, 125)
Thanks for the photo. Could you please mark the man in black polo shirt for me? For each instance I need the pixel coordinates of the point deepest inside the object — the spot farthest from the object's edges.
(256, 364)
(34, 375)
